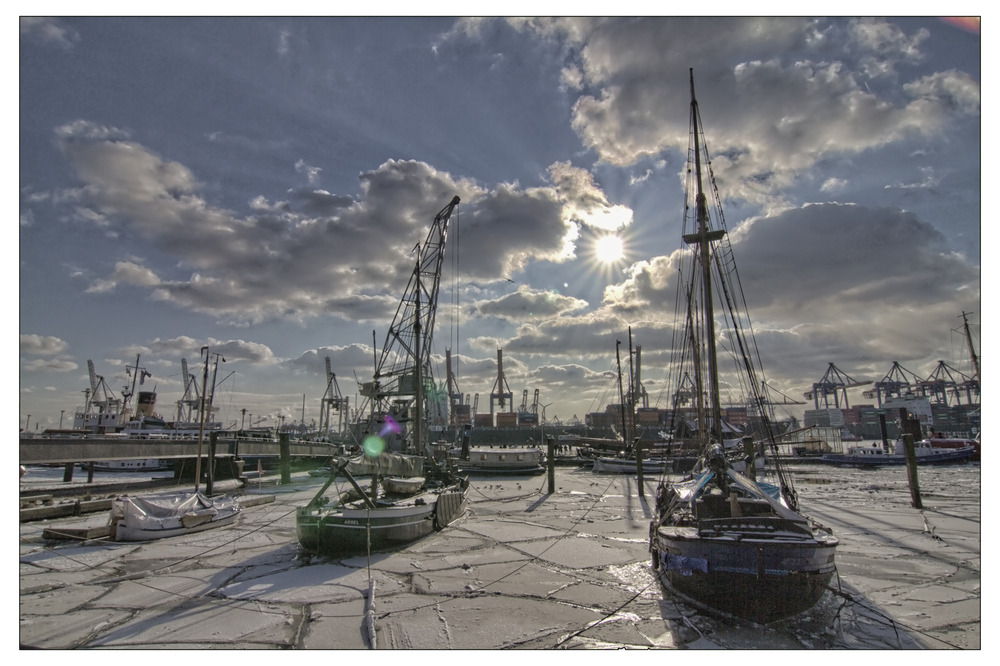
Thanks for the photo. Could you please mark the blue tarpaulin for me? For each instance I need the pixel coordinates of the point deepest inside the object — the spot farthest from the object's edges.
(686, 565)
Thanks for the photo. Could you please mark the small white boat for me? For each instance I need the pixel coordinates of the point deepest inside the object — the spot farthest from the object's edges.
(403, 485)
(502, 460)
(141, 465)
(148, 518)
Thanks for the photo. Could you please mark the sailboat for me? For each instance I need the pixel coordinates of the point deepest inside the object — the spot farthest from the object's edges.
(719, 537)
(415, 491)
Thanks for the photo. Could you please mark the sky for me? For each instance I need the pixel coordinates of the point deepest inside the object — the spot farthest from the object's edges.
(258, 185)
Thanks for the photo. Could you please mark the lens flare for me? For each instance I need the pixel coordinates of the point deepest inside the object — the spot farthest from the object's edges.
(373, 446)
(390, 426)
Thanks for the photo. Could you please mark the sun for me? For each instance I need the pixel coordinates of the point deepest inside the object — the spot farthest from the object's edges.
(609, 249)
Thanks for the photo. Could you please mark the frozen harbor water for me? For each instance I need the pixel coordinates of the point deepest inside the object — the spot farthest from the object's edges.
(523, 569)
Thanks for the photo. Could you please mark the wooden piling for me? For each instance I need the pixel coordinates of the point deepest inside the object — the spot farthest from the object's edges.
(210, 480)
(638, 468)
(550, 462)
(285, 450)
(911, 471)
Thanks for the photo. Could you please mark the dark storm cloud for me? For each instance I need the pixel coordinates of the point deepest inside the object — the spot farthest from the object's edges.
(825, 283)
(332, 255)
(830, 258)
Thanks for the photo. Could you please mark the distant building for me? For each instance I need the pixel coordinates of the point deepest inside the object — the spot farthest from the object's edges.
(824, 418)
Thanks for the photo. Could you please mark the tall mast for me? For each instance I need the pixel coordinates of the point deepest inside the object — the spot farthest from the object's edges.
(703, 238)
(631, 393)
(621, 396)
(972, 350)
(419, 388)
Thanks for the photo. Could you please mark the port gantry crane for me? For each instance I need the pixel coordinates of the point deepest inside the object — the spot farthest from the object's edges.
(405, 361)
(943, 383)
(835, 383)
(897, 383)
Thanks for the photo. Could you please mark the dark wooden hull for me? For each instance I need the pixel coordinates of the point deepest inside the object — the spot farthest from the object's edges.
(353, 531)
(761, 579)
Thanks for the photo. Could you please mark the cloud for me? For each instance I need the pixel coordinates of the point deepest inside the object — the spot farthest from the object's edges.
(49, 31)
(42, 345)
(584, 202)
(770, 119)
(234, 350)
(527, 303)
(126, 273)
(311, 172)
(50, 365)
(317, 253)
(47, 346)
(824, 283)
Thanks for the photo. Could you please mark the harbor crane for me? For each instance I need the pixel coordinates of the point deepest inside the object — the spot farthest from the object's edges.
(947, 381)
(405, 361)
(501, 392)
(332, 400)
(191, 400)
(897, 383)
(454, 394)
(835, 383)
(102, 409)
(101, 397)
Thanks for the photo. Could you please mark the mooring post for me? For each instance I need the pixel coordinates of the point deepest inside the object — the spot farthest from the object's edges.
(885, 433)
(911, 471)
(638, 467)
(90, 472)
(210, 481)
(68, 473)
(286, 472)
(550, 462)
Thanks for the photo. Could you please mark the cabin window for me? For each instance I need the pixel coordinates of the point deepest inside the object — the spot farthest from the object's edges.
(482, 456)
(501, 457)
(520, 457)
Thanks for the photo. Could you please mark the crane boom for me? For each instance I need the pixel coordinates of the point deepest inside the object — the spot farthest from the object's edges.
(405, 356)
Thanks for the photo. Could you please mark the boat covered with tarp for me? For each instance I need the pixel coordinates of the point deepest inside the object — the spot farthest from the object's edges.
(144, 518)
